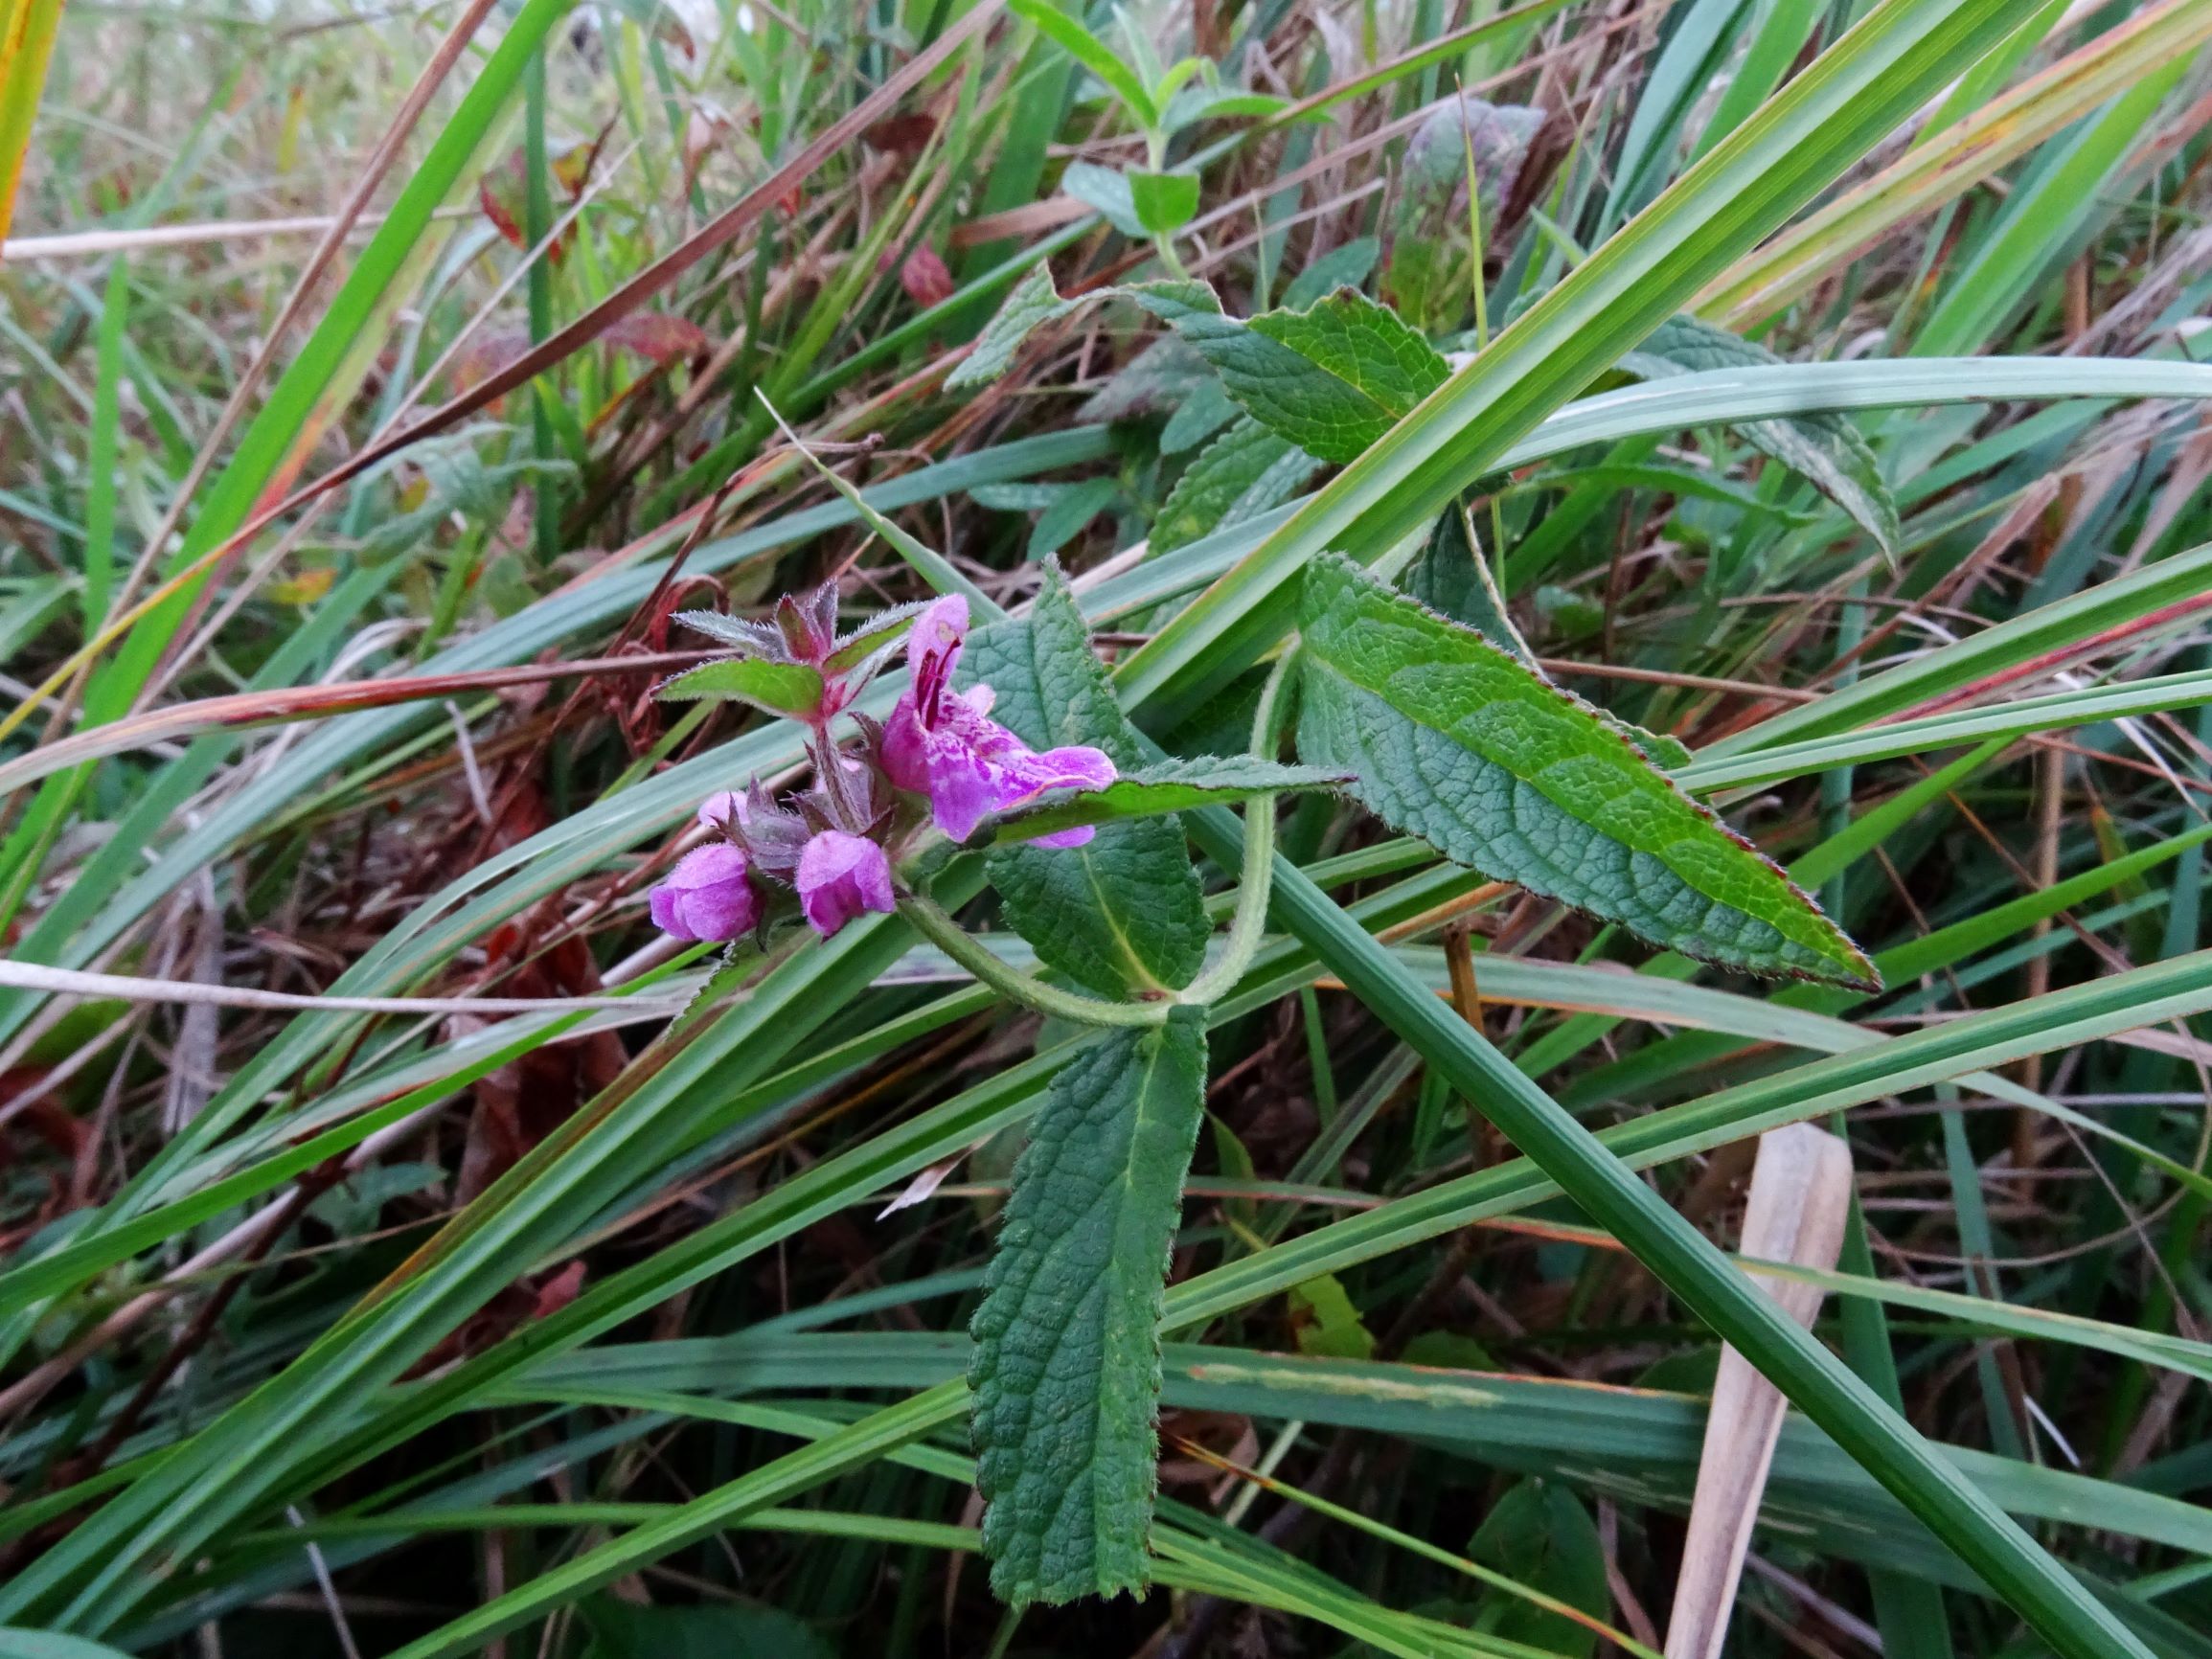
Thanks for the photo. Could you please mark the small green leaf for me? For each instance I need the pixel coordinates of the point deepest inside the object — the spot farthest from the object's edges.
(880, 632)
(1826, 449)
(1203, 412)
(1540, 1535)
(1034, 302)
(1164, 201)
(1177, 785)
(1106, 191)
(1124, 912)
(1064, 517)
(1455, 742)
(1092, 52)
(1323, 1321)
(1237, 477)
(781, 687)
(1342, 267)
(1332, 379)
(1216, 104)
(1426, 276)
(1451, 578)
(1066, 1365)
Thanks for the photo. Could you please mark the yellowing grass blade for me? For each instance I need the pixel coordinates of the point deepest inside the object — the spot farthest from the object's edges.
(25, 46)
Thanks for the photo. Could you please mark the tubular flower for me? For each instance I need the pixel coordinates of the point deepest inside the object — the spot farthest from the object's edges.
(708, 895)
(839, 876)
(944, 745)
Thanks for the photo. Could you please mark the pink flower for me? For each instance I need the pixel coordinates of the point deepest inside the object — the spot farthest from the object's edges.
(942, 743)
(707, 895)
(839, 876)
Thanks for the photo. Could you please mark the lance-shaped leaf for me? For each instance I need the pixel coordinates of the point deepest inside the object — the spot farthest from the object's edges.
(1177, 785)
(792, 689)
(1123, 912)
(1456, 742)
(1034, 302)
(1430, 236)
(1825, 449)
(1066, 1366)
(1242, 474)
(1332, 378)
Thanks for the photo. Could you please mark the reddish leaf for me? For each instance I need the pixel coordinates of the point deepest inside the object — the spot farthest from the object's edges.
(503, 195)
(657, 335)
(902, 134)
(485, 356)
(925, 278)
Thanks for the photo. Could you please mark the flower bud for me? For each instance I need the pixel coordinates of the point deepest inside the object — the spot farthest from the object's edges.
(840, 876)
(708, 895)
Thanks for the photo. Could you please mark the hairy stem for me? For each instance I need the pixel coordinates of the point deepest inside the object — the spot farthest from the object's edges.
(1249, 925)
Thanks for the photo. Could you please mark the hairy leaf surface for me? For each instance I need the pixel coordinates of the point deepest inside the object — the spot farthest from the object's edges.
(1066, 1366)
(1456, 742)
(1332, 378)
(779, 687)
(1237, 477)
(1124, 912)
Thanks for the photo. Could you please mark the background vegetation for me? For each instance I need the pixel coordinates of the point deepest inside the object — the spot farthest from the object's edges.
(377, 384)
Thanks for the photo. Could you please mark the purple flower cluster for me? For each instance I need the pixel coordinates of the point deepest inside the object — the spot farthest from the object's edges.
(942, 743)
(834, 844)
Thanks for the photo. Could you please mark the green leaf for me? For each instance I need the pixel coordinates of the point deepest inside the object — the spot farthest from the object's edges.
(1212, 103)
(1106, 191)
(1176, 785)
(1332, 379)
(1323, 1322)
(1539, 1534)
(1067, 1367)
(779, 687)
(1456, 742)
(880, 633)
(1426, 276)
(1450, 579)
(1827, 451)
(1034, 302)
(1092, 52)
(1124, 912)
(1164, 201)
(1237, 477)
(1073, 507)
(1342, 267)
(1203, 412)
